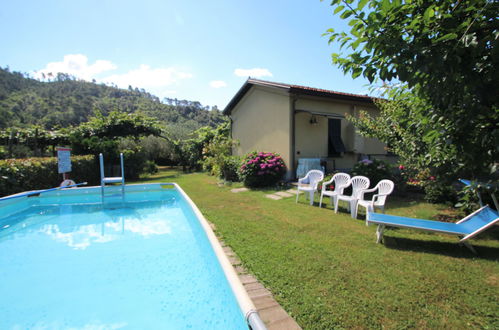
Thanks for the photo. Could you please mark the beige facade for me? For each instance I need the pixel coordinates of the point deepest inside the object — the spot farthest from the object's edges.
(312, 139)
(295, 121)
(261, 121)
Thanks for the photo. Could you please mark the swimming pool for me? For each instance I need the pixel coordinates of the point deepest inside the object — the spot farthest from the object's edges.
(144, 259)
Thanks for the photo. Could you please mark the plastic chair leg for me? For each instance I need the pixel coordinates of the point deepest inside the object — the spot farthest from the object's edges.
(353, 209)
(320, 201)
(311, 197)
(297, 194)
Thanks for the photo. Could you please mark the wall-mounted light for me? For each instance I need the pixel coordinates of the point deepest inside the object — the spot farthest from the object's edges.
(313, 120)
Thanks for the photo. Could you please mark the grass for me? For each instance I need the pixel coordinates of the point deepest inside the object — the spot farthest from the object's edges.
(327, 271)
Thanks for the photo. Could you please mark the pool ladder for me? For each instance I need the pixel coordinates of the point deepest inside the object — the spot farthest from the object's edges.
(115, 179)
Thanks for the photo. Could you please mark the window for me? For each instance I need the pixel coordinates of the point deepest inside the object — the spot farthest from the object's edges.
(335, 144)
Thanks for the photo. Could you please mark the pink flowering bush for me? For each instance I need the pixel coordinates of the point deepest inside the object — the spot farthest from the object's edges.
(261, 169)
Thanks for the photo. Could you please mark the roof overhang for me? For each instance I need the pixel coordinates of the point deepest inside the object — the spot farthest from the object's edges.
(295, 90)
(322, 114)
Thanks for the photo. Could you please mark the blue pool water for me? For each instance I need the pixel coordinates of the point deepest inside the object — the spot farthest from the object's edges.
(142, 262)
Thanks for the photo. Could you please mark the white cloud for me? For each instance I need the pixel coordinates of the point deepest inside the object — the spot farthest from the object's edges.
(147, 77)
(76, 65)
(153, 79)
(255, 72)
(218, 83)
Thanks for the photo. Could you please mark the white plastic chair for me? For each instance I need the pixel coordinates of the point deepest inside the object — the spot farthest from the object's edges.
(359, 183)
(308, 184)
(341, 181)
(384, 188)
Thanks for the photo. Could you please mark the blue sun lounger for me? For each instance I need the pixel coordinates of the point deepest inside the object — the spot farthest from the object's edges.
(468, 227)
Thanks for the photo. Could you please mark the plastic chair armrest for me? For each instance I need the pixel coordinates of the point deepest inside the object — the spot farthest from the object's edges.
(324, 185)
(328, 182)
(378, 195)
(363, 191)
(340, 188)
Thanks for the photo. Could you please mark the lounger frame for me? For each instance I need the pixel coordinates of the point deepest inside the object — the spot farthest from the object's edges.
(464, 235)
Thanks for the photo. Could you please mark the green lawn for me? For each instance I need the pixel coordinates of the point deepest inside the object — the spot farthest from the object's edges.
(327, 271)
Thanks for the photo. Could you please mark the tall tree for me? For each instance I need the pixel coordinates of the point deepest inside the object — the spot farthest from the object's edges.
(446, 53)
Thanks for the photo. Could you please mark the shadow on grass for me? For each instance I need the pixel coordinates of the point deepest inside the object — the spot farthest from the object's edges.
(454, 250)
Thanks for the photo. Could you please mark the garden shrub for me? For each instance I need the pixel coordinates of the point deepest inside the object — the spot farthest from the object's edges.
(375, 170)
(134, 163)
(133, 157)
(216, 153)
(439, 192)
(468, 195)
(229, 169)
(435, 190)
(18, 175)
(262, 169)
(150, 167)
(205, 149)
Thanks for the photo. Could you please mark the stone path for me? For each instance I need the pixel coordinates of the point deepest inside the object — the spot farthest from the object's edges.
(283, 194)
(275, 196)
(238, 190)
(271, 313)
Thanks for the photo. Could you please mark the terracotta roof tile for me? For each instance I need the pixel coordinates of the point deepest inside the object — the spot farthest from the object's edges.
(307, 88)
(297, 89)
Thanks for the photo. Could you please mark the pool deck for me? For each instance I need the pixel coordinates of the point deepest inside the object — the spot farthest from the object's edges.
(271, 313)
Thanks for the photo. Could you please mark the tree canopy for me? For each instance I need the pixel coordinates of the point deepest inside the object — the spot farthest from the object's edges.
(104, 133)
(446, 53)
(117, 125)
(446, 48)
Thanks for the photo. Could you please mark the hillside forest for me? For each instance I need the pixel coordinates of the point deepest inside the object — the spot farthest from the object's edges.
(65, 101)
(36, 116)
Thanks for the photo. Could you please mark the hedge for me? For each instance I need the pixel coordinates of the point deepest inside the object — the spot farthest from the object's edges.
(18, 175)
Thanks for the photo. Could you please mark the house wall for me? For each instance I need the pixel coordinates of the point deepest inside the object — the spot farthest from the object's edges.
(312, 140)
(261, 121)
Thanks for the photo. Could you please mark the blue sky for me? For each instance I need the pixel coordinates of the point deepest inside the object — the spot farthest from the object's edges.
(196, 50)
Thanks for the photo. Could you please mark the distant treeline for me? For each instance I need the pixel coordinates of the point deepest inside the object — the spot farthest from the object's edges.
(66, 101)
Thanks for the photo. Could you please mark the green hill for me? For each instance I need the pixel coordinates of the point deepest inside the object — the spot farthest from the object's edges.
(67, 101)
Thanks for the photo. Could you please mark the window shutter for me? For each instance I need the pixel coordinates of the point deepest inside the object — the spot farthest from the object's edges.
(335, 144)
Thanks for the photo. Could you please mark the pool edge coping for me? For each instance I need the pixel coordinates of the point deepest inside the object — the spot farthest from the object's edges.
(249, 310)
